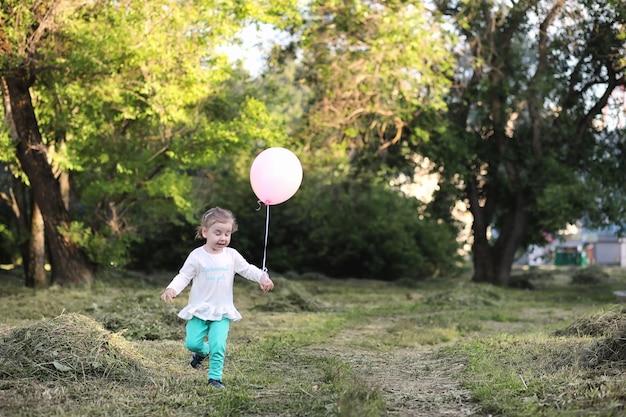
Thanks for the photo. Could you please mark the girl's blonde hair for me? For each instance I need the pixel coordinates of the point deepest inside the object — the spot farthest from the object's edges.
(216, 215)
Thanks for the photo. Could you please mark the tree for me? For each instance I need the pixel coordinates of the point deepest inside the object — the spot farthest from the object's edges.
(524, 143)
(123, 96)
(367, 74)
(376, 70)
(19, 70)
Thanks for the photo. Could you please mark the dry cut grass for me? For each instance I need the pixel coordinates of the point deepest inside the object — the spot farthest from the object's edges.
(610, 326)
(69, 347)
(320, 347)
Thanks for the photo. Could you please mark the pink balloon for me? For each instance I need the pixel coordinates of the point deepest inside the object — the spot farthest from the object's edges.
(275, 175)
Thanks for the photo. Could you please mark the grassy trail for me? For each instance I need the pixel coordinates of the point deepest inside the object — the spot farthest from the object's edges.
(319, 347)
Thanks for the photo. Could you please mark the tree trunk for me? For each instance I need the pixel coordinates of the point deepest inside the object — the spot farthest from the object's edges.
(493, 263)
(36, 276)
(483, 259)
(62, 176)
(69, 263)
(30, 225)
(483, 254)
(19, 206)
(511, 236)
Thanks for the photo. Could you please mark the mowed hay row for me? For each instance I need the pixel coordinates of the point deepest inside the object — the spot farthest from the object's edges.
(609, 327)
(70, 346)
(608, 352)
(291, 296)
(605, 323)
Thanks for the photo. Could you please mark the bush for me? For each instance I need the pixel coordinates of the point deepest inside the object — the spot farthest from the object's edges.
(590, 275)
(339, 227)
(349, 228)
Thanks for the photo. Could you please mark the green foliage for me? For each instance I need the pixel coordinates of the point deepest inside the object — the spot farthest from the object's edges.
(141, 106)
(6, 144)
(342, 228)
(135, 102)
(103, 248)
(376, 72)
(526, 136)
(8, 245)
(347, 102)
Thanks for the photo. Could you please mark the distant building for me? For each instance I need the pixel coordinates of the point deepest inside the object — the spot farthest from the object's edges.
(579, 246)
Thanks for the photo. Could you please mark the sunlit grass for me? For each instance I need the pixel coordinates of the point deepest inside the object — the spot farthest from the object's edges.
(539, 375)
(291, 354)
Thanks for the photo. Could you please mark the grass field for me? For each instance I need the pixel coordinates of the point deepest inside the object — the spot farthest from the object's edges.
(321, 347)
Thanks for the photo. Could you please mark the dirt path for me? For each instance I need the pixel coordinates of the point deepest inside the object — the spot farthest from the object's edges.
(415, 382)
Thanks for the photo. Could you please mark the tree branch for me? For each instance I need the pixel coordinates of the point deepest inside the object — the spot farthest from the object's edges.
(533, 108)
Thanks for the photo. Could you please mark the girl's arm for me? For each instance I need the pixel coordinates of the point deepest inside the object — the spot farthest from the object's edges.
(251, 272)
(245, 269)
(181, 280)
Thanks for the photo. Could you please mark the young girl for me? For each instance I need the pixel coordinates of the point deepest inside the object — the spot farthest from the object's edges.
(211, 270)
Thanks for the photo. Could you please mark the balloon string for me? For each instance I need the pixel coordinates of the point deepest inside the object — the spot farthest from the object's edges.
(267, 229)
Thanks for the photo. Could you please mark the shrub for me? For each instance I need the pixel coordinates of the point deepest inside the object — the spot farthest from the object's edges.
(339, 227)
(590, 275)
(356, 229)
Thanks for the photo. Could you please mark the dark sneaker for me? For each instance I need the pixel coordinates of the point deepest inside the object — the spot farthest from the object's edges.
(216, 384)
(196, 360)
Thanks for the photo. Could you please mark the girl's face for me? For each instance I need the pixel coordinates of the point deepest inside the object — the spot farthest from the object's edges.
(217, 236)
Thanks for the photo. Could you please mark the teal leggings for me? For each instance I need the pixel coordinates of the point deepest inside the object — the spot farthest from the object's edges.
(217, 332)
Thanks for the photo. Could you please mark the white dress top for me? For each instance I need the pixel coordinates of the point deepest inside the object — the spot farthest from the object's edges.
(212, 277)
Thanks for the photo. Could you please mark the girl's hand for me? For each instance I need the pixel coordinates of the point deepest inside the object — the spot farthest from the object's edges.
(168, 295)
(266, 284)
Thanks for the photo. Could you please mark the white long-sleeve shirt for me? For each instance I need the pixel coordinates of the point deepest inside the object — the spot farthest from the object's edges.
(212, 277)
